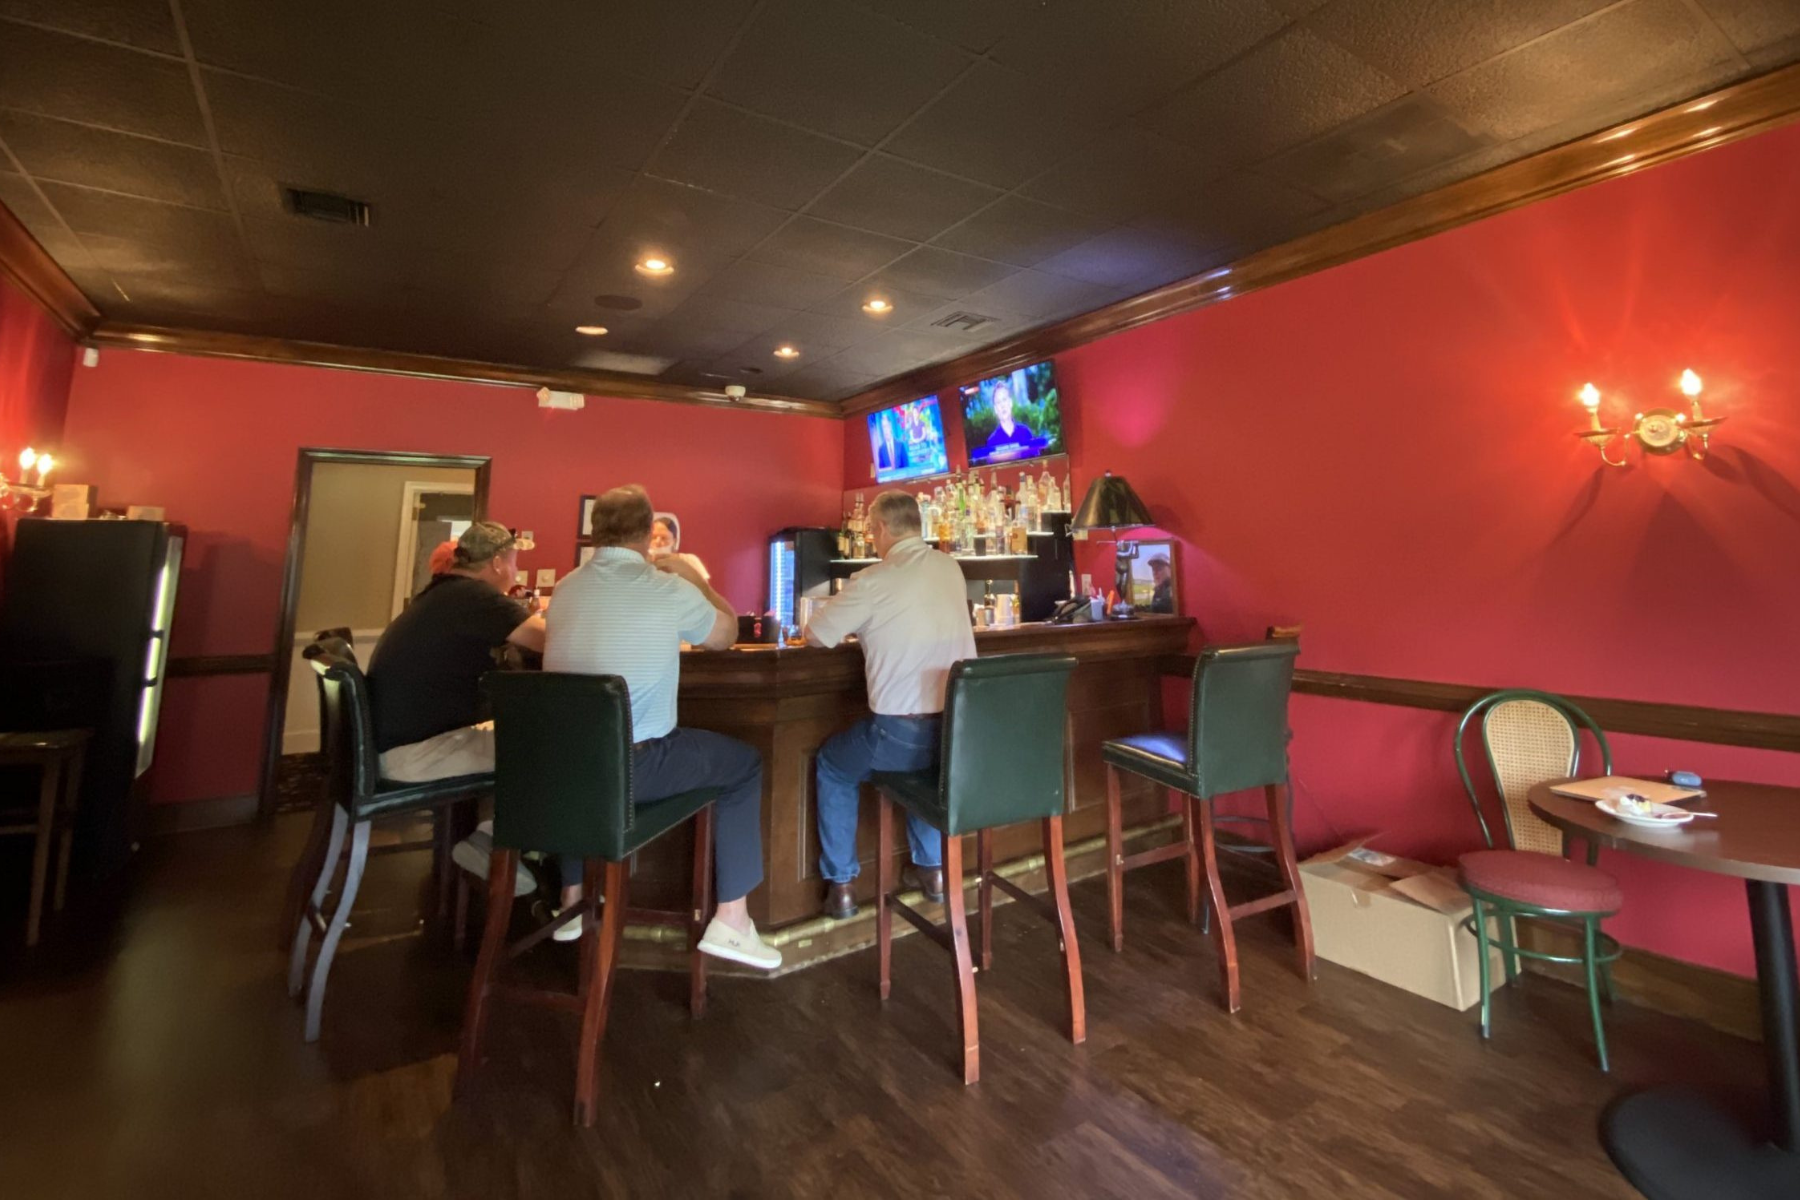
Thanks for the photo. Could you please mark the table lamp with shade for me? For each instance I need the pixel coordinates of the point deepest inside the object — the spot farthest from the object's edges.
(1112, 505)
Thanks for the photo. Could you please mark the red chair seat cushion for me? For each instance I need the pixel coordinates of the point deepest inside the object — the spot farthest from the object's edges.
(1541, 879)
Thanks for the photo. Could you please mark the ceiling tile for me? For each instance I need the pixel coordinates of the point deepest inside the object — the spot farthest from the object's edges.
(836, 68)
(79, 80)
(606, 267)
(671, 41)
(766, 283)
(828, 380)
(847, 305)
(1409, 136)
(1627, 50)
(1020, 231)
(119, 162)
(749, 156)
(899, 350)
(1038, 295)
(671, 216)
(1234, 215)
(829, 249)
(688, 338)
(995, 126)
(1753, 25)
(127, 236)
(319, 142)
(711, 312)
(1421, 41)
(41, 221)
(929, 271)
(1289, 89)
(145, 24)
(1133, 257)
(889, 196)
(831, 333)
(1121, 172)
(1117, 58)
(972, 26)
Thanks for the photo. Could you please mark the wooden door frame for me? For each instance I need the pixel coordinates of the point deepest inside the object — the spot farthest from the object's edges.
(309, 457)
(408, 548)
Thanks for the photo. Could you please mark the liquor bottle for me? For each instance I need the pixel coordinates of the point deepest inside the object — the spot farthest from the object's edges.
(843, 536)
(1052, 496)
(1028, 501)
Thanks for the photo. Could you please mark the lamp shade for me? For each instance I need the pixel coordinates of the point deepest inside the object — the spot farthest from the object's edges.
(1111, 504)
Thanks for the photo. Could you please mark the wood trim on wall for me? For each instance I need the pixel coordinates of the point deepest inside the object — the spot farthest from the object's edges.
(193, 665)
(1699, 123)
(428, 366)
(30, 266)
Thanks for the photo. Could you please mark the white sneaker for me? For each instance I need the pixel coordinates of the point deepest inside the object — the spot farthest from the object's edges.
(725, 942)
(475, 852)
(568, 931)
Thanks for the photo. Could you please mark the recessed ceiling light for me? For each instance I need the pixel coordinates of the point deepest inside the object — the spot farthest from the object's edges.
(655, 266)
(878, 306)
(590, 330)
(786, 352)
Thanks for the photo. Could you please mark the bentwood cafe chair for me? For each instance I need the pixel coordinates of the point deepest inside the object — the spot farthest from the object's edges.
(562, 785)
(1532, 737)
(1236, 739)
(1002, 762)
(358, 797)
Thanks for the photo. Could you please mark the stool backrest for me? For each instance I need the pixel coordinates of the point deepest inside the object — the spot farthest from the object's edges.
(1238, 718)
(562, 762)
(1530, 737)
(346, 729)
(1005, 740)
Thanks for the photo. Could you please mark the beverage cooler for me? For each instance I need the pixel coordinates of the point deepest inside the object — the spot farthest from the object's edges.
(799, 565)
(84, 623)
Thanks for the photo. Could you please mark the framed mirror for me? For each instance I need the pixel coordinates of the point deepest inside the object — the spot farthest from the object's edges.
(1156, 577)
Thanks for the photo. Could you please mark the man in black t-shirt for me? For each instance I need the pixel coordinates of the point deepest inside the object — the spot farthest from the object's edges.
(425, 675)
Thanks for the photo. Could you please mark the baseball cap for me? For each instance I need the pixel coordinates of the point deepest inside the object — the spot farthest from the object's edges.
(484, 540)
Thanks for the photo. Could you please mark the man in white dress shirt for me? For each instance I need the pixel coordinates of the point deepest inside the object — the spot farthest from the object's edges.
(910, 612)
(618, 614)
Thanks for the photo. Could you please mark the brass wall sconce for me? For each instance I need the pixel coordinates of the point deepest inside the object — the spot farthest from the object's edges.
(1658, 431)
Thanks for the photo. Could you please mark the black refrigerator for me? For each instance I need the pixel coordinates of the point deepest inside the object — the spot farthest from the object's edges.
(84, 628)
(799, 565)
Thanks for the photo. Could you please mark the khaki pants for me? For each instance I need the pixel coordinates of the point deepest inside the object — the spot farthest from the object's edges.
(466, 751)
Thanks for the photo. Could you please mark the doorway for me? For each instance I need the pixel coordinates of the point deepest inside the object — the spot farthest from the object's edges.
(360, 539)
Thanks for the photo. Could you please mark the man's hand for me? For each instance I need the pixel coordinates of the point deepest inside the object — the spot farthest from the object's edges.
(675, 564)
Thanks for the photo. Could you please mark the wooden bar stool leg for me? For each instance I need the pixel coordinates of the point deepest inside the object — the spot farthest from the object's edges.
(1192, 858)
(593, 1017)
(327, 867)
(884, 884)
(1282, 828)
(49, 790)
(1223, 935)
(487, 963)
(984, 856)
(956, 901)
(1058, 870)
(1115, 860)
(71, 791)
(340, 919)
(703, 878)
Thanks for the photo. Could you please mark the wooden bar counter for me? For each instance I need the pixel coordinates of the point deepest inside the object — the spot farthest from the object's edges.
(787, 701)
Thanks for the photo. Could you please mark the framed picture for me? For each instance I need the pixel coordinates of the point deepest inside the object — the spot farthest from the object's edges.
(582, 554)
(584, 531)
(1156, 577)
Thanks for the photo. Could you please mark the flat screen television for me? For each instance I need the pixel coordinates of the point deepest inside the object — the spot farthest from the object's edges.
(907, 441)
(1013, 417)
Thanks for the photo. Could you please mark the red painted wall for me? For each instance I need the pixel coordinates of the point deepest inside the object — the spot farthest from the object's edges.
(1382, 452)
(36, 360)
(215, 442)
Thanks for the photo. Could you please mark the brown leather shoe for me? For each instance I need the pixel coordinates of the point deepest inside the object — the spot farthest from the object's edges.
(929, 880)
(840, 901)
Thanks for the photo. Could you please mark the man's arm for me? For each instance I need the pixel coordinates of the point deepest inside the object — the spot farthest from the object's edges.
(723, 634)
(530, 634)
(842, 615)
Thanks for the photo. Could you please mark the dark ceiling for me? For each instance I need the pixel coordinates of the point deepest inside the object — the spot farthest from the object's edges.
(1022, 160)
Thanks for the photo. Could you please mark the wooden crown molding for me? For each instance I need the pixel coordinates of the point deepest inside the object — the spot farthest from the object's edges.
(30, 266)
(1699, 123)
(430, 366)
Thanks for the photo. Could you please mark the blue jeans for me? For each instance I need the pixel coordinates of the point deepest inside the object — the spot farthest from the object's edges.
(875, 743)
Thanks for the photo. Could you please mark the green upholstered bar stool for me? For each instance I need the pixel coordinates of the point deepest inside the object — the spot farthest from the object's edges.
(358, 797)
(1533, 737)
(562, 785)
(1237, 738)
(1005, 744)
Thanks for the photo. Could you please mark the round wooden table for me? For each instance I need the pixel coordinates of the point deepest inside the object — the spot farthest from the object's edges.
(1671, 1143)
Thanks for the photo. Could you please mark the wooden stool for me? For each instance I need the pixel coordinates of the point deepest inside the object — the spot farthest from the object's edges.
(58, 754)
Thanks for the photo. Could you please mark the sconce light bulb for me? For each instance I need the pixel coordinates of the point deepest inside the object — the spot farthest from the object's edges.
(44, 465)
(1590, 396)
(27, 457)
(1690, 383)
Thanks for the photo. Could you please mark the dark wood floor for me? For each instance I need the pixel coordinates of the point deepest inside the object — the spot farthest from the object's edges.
(170, 1064)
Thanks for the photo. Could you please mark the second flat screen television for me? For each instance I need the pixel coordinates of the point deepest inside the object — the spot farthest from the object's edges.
(908, 441)
(1013, 417)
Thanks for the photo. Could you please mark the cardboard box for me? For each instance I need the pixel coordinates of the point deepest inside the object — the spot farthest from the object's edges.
(71, 501)
(1399, 921)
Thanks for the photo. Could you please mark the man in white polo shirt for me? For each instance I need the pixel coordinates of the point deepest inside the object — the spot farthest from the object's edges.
(910, 612)
(619, 615)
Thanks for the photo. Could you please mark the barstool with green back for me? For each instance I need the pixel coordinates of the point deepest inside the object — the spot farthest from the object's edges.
(562, 785)
(1531, 737)
(1236, 739)
(1004, 748)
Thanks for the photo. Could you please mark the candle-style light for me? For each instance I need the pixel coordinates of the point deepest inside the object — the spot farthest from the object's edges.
(1658, 430)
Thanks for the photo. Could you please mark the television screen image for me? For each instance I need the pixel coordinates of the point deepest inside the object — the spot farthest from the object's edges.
(1013, 417)
(907, 441)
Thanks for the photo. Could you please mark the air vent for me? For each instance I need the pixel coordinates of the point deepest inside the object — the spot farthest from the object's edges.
(621, 303)
(324, 206)
(964, 321)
